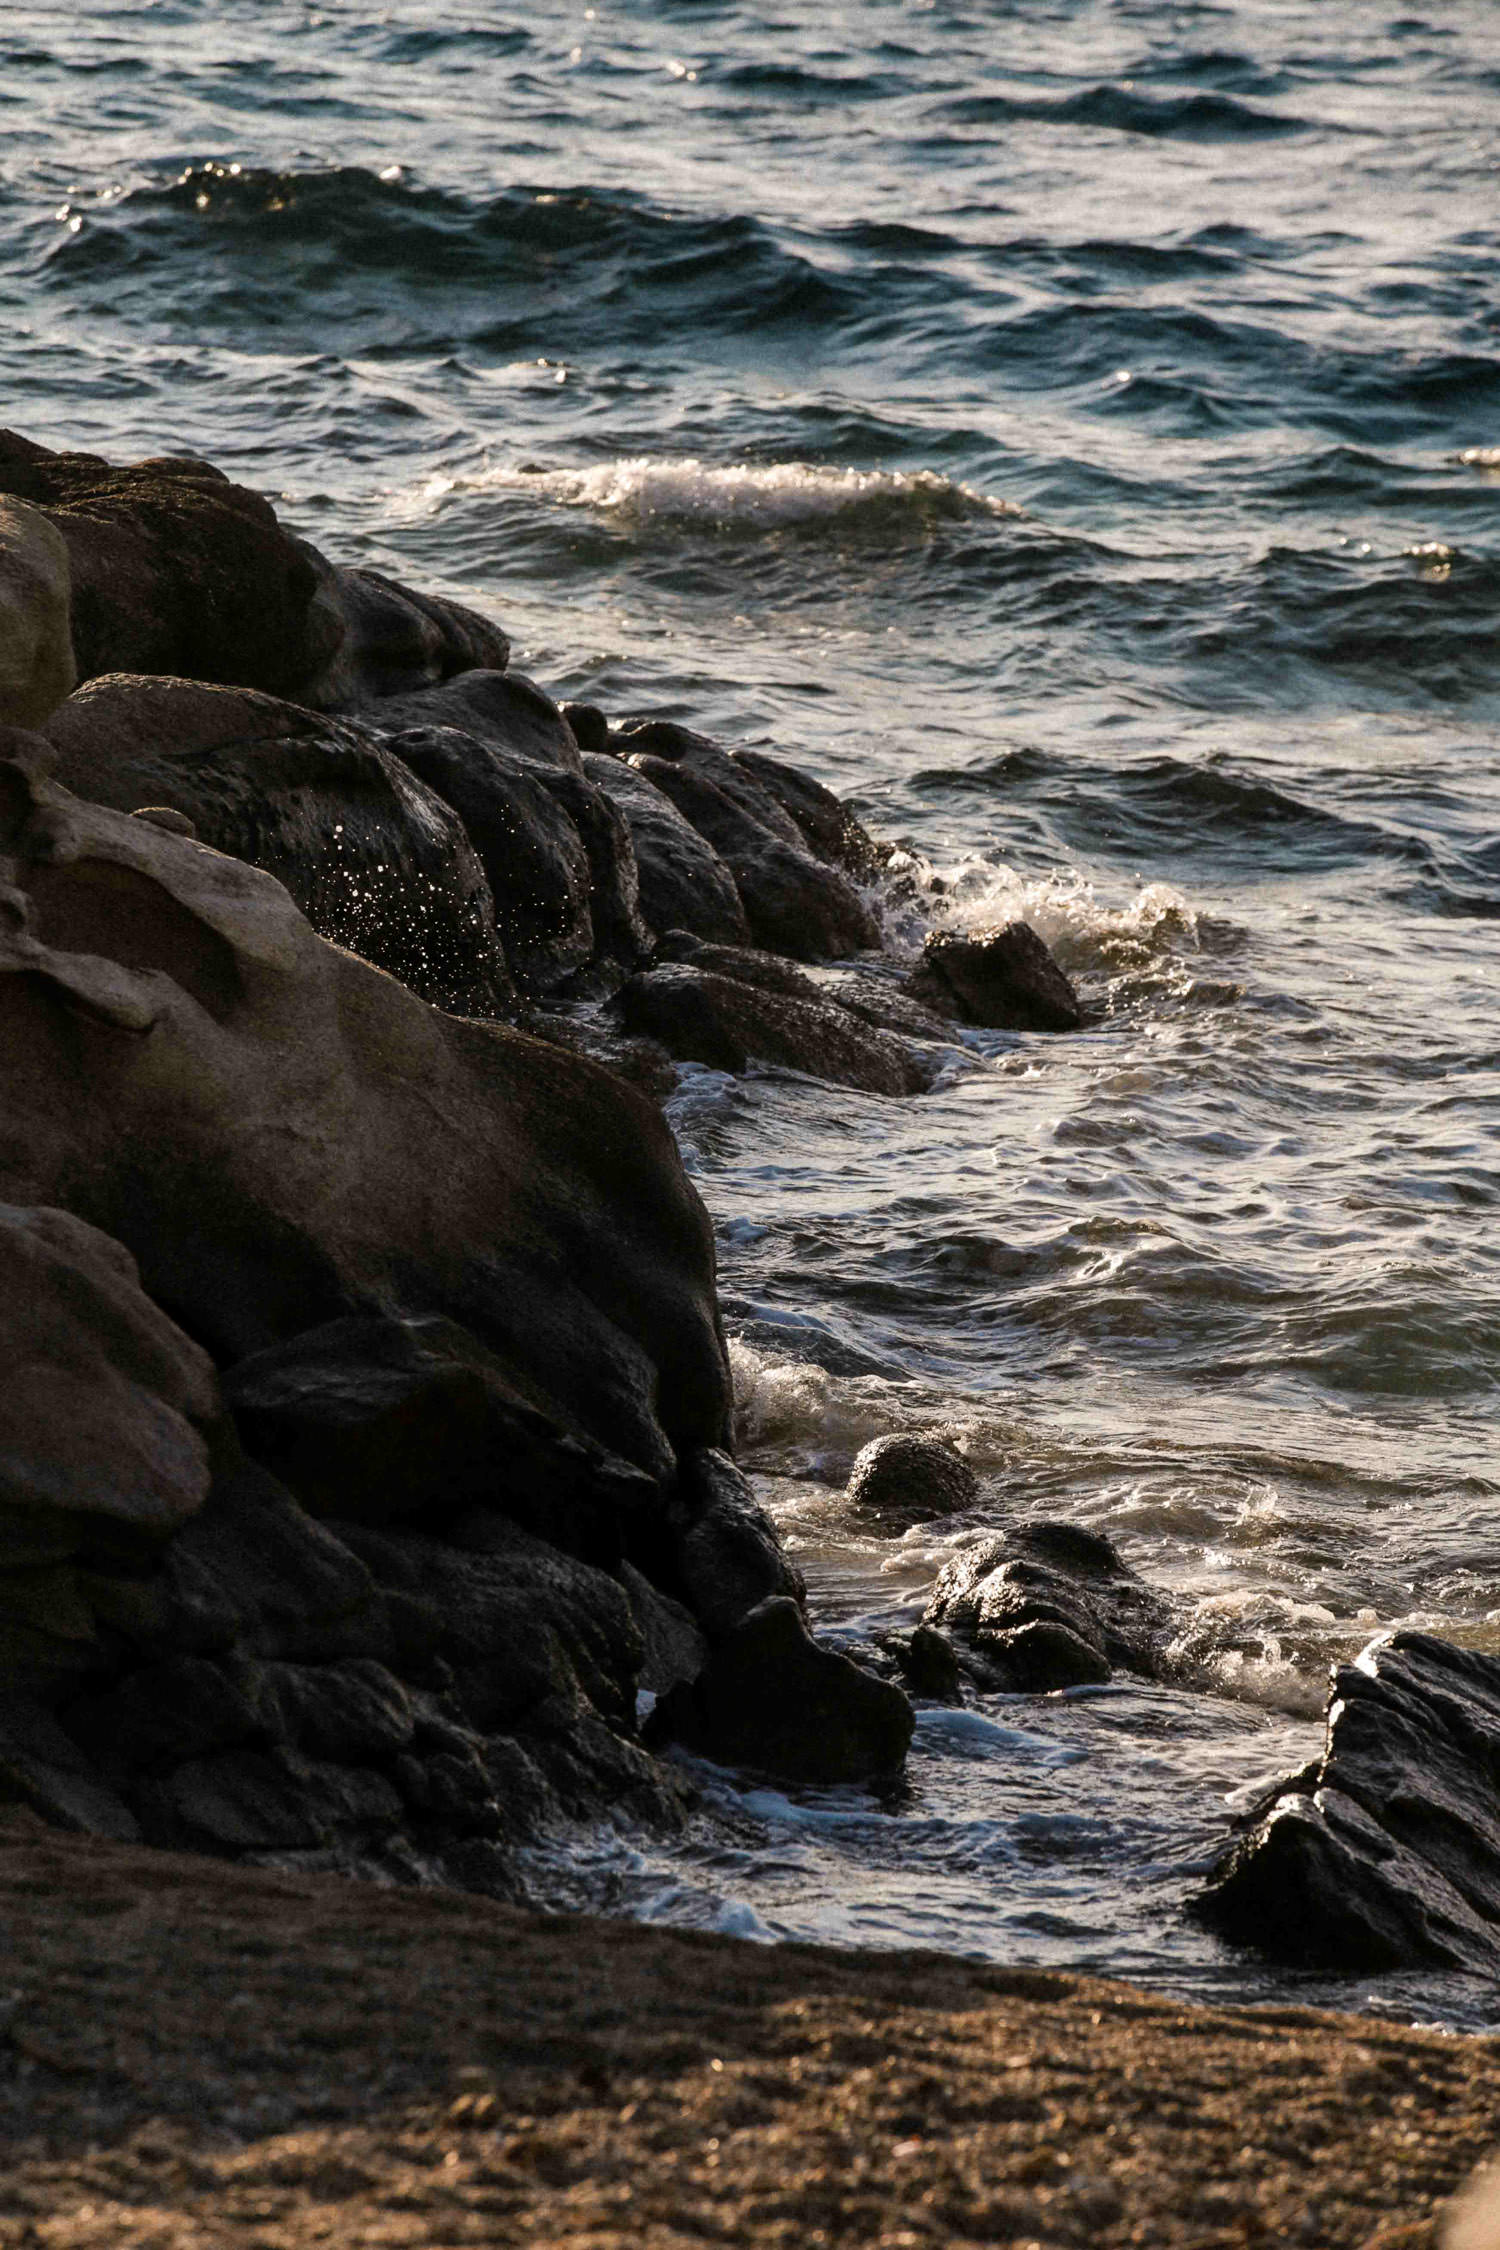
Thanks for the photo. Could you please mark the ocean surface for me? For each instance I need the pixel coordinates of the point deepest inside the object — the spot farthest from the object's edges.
(1072, 429)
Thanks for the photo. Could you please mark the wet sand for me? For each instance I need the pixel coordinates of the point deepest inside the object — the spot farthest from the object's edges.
(199, 2054)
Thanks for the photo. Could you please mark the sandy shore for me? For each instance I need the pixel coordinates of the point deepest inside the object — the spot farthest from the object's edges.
(200, 2054)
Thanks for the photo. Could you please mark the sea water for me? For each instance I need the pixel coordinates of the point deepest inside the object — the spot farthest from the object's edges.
(1070, 428)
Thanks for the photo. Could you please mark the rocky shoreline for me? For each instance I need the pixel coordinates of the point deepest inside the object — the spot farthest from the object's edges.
(366, 1467)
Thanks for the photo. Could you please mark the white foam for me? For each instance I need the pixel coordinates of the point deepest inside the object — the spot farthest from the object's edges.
(1062, 907)
(765, 496)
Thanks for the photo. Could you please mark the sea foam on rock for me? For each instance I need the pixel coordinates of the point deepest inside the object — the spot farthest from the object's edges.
(1385, 1851)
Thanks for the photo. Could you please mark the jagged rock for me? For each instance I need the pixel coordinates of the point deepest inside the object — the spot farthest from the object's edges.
(504, 710)
(36, 633)
(267, 1801)
(387, 640)
(104, 1402)
(674, 1643)
(375, 859)
(374, 1418)
(876, 999)
(825, 824)
(906, 1478)
(683, 884)
(795, 903)
(622, 937)
(280, 1134)
(771, 1698)
(726, 1558)
(1385, 1852)
(1049, 1605)
(355, 1710)
(1003, 978)
(43, 1768)
(727, 1022)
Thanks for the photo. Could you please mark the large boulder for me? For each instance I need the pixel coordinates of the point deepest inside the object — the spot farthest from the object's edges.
(1384, 1852)
(770, 1697)
(505, 710)
(823, 821)
(36, 633)
(282, 1135)
(174, 569)
(1004, 979)
(377, 861)
(721, 1552)
(1049, 1605)
(683, 883)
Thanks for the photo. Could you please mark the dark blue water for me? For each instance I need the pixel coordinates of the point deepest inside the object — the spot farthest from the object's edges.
(1073, 429)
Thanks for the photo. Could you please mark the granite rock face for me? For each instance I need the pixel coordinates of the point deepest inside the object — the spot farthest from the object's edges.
(1049, 1605)
(1385, 1852)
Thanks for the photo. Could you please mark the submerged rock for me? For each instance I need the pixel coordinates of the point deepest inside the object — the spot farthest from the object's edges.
(906, 1478)
(1004, 979)
(771, 1698)
(1050, 1605)
(1385, 1852)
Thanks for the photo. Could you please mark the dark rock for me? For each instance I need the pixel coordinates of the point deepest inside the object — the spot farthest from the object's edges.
(164, 1714)
(771, 1698)
(105, 1402)
(929, 1664)
(675, 1647)
(876, 999)
(387, 640)
(621, 934)
(727, 1558)
(682, 882)
(722, 1021)
(1001, 978)
(1385, 1852)
(906, 1478)
(794, 904)
(354, 1711)
(825, 824)
(1049, 1605)
(504, 710)
(374, 1418)
(376, 860)
(536, 862)
(42, 1768)
(174, 569)
(280, 1135)
(590, 728)
(267, 1801)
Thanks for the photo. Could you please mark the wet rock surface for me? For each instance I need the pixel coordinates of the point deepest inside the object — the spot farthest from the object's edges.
(730, 1020)
(1385, 1852)
(37, 668)
(1004, 979)
(376, 860)
(908, 1478)
(1049, 1605)
(771, 1698)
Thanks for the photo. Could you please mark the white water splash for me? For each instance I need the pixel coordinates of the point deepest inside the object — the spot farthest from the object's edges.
(1064, 909)
(758, 496)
